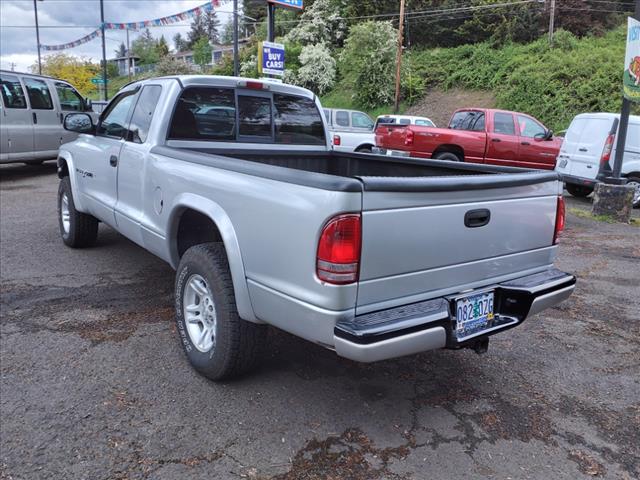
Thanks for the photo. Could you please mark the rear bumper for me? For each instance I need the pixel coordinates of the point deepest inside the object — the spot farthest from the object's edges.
(431, 324)
(585, 182)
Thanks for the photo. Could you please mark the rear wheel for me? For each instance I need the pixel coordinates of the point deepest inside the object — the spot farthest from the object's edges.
(579, 190)
(218, 343)
(452, 157)
(635, 182)
(76, 228)
(365, 149)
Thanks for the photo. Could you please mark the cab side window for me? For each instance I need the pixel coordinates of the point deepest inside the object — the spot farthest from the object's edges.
(114, 119)
(70, 100)
(529, 127)
(12, 93)
(143, 113)
(342, 118)
(360, 120)
(39, 94)
(503, 124)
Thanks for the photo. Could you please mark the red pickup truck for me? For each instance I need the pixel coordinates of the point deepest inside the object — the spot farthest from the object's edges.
(476, 135)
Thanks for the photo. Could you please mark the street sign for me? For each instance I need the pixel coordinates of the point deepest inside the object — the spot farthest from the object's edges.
(631, 78)
(271, 58)
(98, 81)
(297, 4)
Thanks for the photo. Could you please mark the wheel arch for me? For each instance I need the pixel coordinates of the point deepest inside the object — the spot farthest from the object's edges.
(66, 168)
(364, 145)
(191, 207)
(449, 148)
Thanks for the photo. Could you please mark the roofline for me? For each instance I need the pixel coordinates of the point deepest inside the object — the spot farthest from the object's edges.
(11, 72)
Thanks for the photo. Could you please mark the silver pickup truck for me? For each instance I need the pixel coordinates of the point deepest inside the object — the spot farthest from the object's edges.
(232, 181)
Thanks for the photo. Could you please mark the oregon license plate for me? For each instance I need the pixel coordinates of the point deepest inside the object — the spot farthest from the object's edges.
(474, 313)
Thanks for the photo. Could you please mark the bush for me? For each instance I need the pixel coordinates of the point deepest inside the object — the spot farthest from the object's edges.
(367, 63)
(171, 66)
(318, 69)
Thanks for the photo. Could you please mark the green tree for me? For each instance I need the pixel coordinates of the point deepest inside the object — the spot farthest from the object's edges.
(145, 47)
(202, 52)
(75, 70)
(226, 37)
(180, 43)
(367, 62)
(121, 51)
(162, 47)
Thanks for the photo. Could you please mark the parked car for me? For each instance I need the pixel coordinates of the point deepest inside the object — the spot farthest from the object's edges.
(349, 130)
(33, 107)
(266, 224)
(589, 149)
(477, 135)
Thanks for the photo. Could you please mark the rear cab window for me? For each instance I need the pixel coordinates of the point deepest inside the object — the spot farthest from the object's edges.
(342, 118)
(224, 114)
(472, 120)
(12, 93)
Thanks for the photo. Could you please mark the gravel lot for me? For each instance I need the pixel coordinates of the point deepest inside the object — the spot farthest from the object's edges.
(94, 384)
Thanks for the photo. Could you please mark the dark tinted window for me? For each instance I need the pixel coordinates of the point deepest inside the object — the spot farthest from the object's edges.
(297, 121)
(342, 118)
(478, 123)
(254, 116)
(143, 113)
(39, 94)
(114, 119)
(205, 113)
(12, 93)
(503, 123)
(466, 120)
(70, 100)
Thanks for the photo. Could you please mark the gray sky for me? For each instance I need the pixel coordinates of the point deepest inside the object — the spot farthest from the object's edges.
(18, 45)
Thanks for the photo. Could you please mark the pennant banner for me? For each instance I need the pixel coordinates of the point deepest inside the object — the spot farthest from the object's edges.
(178, 17)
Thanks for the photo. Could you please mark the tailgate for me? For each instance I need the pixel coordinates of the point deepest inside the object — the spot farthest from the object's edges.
(423, 238)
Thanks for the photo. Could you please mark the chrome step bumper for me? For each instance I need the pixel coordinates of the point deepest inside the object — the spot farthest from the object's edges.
(429, 325)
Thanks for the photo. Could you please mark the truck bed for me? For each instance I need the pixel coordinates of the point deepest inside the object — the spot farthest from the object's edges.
(355, 172)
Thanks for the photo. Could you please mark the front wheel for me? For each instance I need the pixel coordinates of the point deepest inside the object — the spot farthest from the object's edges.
(76, 228)
(579, 190)
(219, 344)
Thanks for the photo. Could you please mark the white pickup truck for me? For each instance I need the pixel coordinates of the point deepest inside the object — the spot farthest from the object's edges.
(233, 182)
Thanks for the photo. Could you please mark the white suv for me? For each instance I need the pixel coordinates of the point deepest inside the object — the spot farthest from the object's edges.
(588, 152)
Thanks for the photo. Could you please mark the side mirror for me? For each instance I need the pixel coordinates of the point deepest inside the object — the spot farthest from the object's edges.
(549, 135)
(80, 123)
(88, 105)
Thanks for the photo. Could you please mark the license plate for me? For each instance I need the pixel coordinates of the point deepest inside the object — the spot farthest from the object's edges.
(563, 163)
(474, 313)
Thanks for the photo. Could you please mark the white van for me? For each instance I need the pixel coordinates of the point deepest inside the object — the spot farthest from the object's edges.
(588, 152)
(31, 114)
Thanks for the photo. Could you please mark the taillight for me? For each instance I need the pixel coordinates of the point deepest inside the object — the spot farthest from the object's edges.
(338, 256)
(336, 139)
(606, 150)
(408, 139)
(559, 220)
(253, 85)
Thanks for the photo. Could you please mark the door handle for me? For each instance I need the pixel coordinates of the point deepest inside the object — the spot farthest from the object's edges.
(525, 143)
(61, 118)
(477, 218)
(582, 149)
(35, 117)
(496, 140)
(113, 161)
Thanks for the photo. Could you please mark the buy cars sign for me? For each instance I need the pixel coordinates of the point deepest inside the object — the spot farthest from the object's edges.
(631, 80)
(271, 58)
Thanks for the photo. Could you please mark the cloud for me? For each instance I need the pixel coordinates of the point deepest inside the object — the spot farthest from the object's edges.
(19, 45)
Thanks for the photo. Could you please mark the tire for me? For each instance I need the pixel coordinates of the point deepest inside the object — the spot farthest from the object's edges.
(77, 229)
(219, 344)
(452, 157)
(578, 190)
(363, 150)
(635, 181)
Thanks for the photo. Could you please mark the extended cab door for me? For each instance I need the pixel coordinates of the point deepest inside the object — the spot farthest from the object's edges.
(16, 129)
(536, 151)
(132, 168)
(502, 140)
(97, 162)
(47, 127)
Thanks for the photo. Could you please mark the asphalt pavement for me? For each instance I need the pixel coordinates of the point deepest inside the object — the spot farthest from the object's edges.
(94, 384)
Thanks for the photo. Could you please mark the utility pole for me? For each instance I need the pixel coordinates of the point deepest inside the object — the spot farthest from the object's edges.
(35, 10)
(236, 67)
(271, 22)
(104, 52)
(552, 19)
(399, 57)
(128, 57)
(622, 129)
